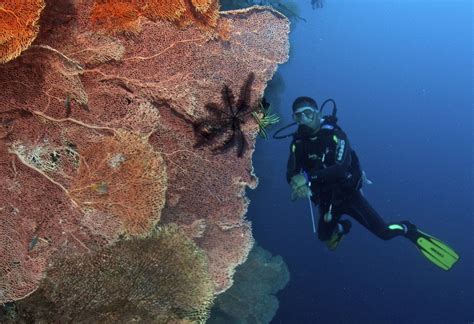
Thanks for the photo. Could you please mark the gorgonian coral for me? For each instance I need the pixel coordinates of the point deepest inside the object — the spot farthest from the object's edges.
(162, 278)
(18, 26)
(121, 15)
(116, 15)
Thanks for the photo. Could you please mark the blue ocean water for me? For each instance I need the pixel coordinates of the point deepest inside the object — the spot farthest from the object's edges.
(401, 74)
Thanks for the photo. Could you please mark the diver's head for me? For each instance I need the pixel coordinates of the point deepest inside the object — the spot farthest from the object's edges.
(306, 112)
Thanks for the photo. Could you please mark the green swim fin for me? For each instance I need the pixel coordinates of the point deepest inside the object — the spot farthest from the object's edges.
(434, 250)
(334, 241)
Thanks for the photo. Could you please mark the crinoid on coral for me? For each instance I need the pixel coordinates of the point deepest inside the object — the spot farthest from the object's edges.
(18, 26)
(162, 278)
(264, 118)
(226, 121)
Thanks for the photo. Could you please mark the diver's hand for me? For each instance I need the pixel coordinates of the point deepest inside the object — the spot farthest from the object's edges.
(298, 180)
(300, 187)
(301, 192)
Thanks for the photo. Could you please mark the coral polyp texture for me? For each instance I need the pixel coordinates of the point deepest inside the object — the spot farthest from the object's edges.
(97, 139)
(158, 279)
(18, 26)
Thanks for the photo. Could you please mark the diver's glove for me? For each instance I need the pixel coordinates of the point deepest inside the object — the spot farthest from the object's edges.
(300, 187)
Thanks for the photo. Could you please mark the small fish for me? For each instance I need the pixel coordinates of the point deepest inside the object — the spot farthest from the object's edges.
(33, 243)
(85, 107)
(67, 105)
(101, 188)
(365, 179)
(317, 3)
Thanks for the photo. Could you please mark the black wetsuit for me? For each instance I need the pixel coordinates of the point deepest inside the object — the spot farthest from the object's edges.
(336, 180)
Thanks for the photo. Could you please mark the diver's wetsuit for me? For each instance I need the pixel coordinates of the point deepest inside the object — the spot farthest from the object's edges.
(336, 180)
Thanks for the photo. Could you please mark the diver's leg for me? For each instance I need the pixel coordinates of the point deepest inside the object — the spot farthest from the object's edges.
(436, 251)
(332, 229)
(325, 229)
(361, 210)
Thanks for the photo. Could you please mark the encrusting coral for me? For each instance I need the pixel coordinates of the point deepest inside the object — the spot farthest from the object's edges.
(18, 26)
(160, 278)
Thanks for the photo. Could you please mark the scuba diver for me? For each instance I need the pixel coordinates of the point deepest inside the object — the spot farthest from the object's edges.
(324, 168)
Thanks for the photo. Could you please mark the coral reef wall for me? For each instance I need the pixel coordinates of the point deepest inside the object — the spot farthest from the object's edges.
(96, 142)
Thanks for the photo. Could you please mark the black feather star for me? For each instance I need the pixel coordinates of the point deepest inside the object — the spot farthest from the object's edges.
(226, 121)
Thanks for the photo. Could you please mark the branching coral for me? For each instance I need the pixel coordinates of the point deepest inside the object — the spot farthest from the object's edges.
(227, 120)
(161, 278)
(18, 26)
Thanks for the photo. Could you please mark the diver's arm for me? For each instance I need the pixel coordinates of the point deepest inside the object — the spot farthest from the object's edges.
(293, 166)
(342, 161)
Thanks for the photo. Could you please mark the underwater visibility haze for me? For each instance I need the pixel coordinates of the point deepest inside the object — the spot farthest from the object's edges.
(401, 74)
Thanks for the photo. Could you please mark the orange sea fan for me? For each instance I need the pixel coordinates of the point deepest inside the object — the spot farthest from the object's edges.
(116, 15)
(171, 10)
(18, 26)
(203, 13)
(202, 5)
(122, 15)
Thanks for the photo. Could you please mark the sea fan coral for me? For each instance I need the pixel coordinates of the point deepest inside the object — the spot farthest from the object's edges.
(161, 278)
(130, 84)
(18, 26)
(252, 297)
(202, 5)
(116, 15)
(121, 15)
(120, 176)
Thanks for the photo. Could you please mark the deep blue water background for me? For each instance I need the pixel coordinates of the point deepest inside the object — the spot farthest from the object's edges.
(401, 73)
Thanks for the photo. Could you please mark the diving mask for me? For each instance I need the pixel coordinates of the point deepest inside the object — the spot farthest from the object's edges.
(304, 115)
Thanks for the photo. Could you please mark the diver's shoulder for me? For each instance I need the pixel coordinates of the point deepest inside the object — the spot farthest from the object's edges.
(331, 129)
